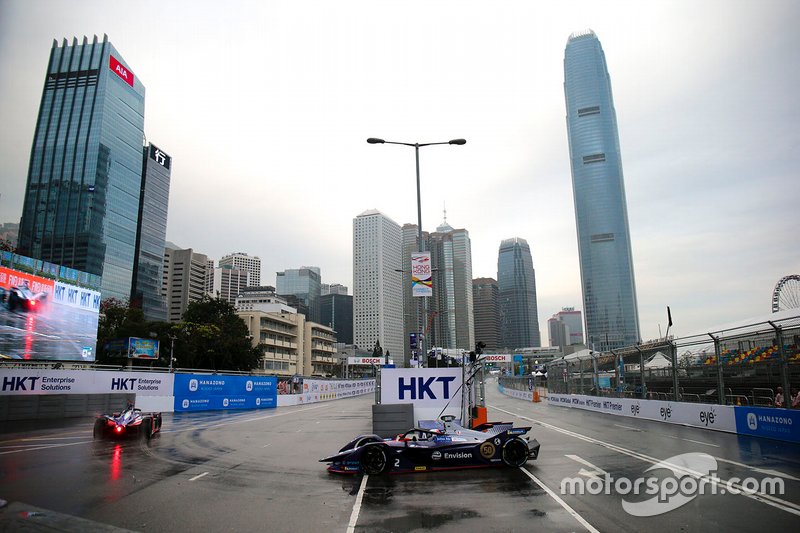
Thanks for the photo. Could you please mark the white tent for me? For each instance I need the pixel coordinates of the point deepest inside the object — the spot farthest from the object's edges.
(659, 360)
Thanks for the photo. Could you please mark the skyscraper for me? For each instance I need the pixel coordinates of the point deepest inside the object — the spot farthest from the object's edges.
(150, 234)
(516, 280)
(453, 321)
(487, 313)
(82, 196)
(377, 293)
(336, 310)
(185, 279)
(242, 261)
(566, 328)
(601, 214)
(306, 284)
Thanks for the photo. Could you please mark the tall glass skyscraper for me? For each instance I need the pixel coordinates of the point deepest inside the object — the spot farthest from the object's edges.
(516, 281)
(601, 214)
(151, 233)
(81, 204)
(305, 283)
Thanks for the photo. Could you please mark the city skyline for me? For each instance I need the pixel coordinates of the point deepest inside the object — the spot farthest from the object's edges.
(270, 156)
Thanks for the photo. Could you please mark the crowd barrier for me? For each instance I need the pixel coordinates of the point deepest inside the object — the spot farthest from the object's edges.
(166, 392)
(780, 424)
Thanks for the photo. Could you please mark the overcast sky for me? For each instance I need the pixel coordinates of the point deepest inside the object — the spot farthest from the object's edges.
(265, 107)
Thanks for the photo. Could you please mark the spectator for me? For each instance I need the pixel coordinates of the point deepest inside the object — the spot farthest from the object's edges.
(796, 399)
(779, 398)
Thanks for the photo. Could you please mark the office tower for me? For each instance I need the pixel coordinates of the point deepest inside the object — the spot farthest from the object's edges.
(453, 320)
(84, 183)
(336, 311)
(150, 234)
(242, 261)
(304, 283)
(565, 327)
(9, 232)
(228, 283)
(185, 274)
(334, 288)
(485, 294)
(516, 281)
(601, 214)
(377, 293)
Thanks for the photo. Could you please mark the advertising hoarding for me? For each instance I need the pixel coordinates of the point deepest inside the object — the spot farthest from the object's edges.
(120, 70)
(202, 392)
(421, 274)
(366, 360)
(33, 381)
(46, 319)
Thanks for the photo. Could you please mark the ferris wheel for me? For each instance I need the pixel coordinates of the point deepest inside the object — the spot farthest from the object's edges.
(786, 294)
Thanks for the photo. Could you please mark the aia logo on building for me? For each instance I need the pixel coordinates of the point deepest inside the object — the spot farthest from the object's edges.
(120, 70)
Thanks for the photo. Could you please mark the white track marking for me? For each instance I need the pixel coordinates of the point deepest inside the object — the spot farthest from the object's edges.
(561, 502)
(198, 476)
(45, 447)
(351, 527)
(595, 471)
(778, 503)
(767, 471)
(628, 427)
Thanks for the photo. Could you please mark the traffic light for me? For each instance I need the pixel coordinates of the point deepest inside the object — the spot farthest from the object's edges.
(479, 346)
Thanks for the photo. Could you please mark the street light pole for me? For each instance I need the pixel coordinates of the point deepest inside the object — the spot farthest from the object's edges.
(420, 246)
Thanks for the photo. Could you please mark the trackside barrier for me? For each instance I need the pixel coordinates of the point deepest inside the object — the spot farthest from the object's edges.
(780, 424)
(317, 390)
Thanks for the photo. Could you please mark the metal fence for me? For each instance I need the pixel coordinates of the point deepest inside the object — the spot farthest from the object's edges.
(745, 365)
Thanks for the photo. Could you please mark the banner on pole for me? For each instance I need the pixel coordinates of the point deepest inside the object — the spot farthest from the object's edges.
(421, 274)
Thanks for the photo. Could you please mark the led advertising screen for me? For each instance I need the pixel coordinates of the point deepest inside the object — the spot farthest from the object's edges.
(45, 319)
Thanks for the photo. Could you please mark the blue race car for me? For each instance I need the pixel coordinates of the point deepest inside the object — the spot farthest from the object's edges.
(449, 447)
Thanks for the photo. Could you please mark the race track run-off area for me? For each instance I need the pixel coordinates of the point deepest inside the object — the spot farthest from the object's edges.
(259, 471)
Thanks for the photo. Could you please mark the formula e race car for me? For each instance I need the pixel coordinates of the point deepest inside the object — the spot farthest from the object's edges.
(23, 298)
(129, 422)
(447, 447)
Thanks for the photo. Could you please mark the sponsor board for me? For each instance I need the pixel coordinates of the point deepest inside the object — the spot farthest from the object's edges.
(424, 387)
(23, 382)
(199, 392)
(781, 424)
(366, 360)
(497, 358)
(701, 415)
(421, 274)
(519, 394)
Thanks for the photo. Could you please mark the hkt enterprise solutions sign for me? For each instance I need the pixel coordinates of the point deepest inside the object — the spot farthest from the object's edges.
(429, 389)
(25, 382)
(201, 392)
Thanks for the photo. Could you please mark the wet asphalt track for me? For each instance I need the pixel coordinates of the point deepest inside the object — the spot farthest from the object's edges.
(258, 471)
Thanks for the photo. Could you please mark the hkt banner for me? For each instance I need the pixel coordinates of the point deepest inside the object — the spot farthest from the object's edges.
(421, 274)
(427, 387)
(21, 382)
(201, 392)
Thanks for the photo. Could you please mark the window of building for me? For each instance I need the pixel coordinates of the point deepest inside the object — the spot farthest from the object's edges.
(594, 158)
(586, 111)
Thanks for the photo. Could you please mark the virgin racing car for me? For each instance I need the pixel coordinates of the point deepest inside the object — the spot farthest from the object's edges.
(425, 450)
(129, 422)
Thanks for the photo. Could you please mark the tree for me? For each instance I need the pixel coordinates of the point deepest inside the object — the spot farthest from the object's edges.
(215, 337)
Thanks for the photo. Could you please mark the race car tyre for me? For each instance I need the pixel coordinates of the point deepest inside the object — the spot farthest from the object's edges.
(99, 428)
(515, 452)
(373, 460)
(147, 428)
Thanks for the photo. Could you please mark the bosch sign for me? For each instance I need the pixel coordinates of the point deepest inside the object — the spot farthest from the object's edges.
(120, 70)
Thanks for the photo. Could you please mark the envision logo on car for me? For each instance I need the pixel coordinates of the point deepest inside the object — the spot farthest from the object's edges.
(436, 455)
(458, 455)
(192, 385)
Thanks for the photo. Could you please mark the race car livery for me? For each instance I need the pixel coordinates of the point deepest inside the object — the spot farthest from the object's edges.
(131, 421)
(448, 447)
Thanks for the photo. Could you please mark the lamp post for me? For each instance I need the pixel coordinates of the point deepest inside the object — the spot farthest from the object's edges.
(420, 246)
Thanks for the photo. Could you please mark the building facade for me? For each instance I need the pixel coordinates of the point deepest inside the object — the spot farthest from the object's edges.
(601, 213)
(84, 177)
(242, 261)
(337, 313)
(516, 281)
(305, 283)
(485, 293)
(377, 292)
(228, 283)
(151, 232)
(184, 279)
(566, 327)
(333, 288)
